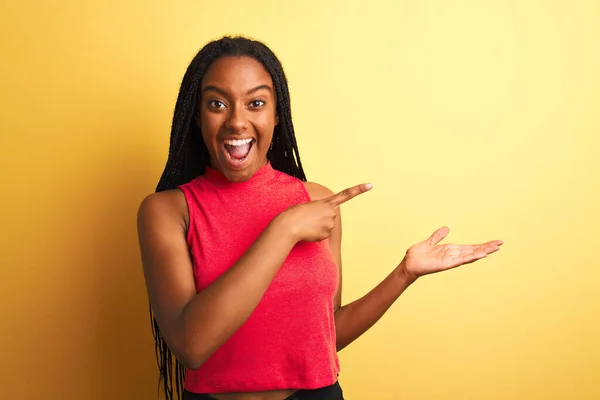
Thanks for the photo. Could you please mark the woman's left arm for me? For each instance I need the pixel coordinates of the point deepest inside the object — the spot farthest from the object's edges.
(426, 257)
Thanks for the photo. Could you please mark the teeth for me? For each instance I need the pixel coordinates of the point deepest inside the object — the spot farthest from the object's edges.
(240, 142)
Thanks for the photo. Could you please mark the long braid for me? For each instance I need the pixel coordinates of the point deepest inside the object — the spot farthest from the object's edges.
(188, 157)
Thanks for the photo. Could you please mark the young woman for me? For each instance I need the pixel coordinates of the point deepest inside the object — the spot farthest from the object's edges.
(241, 255)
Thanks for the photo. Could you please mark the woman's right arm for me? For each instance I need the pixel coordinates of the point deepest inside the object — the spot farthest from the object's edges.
(195, 325)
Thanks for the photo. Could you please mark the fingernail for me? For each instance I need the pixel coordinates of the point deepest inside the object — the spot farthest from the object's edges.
(369, 185)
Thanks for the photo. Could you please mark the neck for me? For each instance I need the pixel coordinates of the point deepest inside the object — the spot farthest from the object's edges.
(262, 175)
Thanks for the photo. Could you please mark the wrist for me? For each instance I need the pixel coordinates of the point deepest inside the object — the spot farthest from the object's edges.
(404, 274)
(283, 226)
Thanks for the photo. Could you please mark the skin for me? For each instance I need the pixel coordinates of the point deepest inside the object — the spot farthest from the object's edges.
(236, 101)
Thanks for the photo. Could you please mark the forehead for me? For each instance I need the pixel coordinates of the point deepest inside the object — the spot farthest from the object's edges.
(236, 74)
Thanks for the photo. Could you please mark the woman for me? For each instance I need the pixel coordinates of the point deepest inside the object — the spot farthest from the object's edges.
(241, 255)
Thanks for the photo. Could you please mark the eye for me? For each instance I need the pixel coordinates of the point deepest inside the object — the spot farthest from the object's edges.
(257, 103)
(216, 104)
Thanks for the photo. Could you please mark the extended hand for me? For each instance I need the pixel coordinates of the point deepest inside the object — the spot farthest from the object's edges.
(428, 256)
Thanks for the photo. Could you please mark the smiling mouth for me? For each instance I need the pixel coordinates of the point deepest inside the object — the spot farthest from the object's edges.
(238, 150)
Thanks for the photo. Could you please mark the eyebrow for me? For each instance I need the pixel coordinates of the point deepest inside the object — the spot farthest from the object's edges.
(224, 93)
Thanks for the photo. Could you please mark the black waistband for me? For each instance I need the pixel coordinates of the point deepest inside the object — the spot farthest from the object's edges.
(333, 392)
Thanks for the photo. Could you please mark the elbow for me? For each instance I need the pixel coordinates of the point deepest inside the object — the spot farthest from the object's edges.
(192, 362)
(186, 347)
(191, 356)
(194, 348)
(190, 359)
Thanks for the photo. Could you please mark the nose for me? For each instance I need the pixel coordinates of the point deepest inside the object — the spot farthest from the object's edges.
(237, 120)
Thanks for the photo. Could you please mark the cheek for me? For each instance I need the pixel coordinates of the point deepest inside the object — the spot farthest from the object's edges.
(209, 126)
(265, 124)
(265, 133)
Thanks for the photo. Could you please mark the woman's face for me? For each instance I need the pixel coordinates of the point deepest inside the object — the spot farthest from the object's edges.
(237, 115)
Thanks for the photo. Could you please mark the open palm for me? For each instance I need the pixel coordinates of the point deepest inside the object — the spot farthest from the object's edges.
(428, 256)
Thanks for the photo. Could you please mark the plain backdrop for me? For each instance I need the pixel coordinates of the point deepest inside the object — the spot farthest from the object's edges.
(480, 115)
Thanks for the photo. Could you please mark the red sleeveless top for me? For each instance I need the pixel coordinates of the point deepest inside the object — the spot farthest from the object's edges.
(289, 340)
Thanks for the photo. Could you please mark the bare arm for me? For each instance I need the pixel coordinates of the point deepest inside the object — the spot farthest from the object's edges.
(422, 258)
(354, 319)
(196, 325)
(425, 257)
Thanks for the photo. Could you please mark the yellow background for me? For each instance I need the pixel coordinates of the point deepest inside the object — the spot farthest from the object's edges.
(480, 115)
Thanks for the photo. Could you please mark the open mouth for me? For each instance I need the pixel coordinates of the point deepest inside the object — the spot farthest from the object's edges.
(238, 150)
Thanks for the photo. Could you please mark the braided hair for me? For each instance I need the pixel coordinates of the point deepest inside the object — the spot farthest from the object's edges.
(188, 155)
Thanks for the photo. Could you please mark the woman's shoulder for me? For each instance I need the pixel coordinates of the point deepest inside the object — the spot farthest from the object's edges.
(168, 204)
(317, 191)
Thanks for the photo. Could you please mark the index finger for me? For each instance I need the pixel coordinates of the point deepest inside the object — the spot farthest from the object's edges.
(337, 199)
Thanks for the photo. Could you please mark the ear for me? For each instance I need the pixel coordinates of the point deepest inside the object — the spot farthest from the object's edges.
(276, 120)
